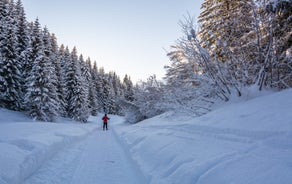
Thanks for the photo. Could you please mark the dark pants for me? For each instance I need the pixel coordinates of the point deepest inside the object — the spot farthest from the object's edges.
(104, 126)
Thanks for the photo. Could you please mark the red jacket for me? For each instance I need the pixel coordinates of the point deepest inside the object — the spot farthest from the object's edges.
(105, 119)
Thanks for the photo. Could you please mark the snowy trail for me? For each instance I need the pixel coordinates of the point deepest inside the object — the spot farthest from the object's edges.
(98, 159)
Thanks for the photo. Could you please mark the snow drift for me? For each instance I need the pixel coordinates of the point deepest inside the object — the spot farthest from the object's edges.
(246, 142)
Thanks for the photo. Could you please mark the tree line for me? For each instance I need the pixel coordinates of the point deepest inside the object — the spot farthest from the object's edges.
(233, 45)
(46, 80)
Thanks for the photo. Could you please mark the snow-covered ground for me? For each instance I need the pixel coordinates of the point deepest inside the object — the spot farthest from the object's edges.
(240, 142)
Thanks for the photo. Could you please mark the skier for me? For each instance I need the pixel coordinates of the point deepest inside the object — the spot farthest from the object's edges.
(105, 119)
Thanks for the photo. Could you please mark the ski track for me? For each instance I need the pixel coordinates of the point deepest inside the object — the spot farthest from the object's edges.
(232, 135)
(98, 159)
(252, 141)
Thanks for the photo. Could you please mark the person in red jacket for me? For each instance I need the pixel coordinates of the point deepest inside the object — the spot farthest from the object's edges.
(105, 119)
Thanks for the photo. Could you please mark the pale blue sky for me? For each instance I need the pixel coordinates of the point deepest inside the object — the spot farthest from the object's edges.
(125, 36)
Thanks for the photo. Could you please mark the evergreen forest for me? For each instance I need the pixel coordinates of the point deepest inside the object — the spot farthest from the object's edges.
(235, 44)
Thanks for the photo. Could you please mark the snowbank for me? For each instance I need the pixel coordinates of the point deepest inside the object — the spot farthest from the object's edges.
(246, 142)
(26, 145)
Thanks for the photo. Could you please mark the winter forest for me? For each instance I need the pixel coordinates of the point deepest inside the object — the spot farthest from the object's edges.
(233, 45)
(46, 80)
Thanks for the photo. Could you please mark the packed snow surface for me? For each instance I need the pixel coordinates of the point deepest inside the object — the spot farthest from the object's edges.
(240, 142)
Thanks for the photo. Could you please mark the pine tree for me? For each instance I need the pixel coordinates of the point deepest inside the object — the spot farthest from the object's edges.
(41, 97)
(225, 33)
(85, 73)
(100, 87)
(128, 88)
(273, 31)
(64, 56)
(93, 104)
(50, 51)
(56, 55)
(117, 92)
(223, 25)
(29, 56)
(280, 14)
(112, 97)
(10, 75)
(22, 33)
(105, 95)
(76, 92)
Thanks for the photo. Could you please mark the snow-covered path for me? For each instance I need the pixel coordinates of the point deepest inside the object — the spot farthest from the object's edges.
(97, 159)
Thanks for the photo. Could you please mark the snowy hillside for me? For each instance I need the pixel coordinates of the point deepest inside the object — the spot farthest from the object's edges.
(247, 142)
(242, 142)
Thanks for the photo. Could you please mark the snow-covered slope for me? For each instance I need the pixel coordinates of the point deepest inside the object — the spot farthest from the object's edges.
(246, 142)
(25, 145)
(242, 142)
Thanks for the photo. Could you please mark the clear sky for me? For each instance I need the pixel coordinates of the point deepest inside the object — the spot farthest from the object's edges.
(125, 36)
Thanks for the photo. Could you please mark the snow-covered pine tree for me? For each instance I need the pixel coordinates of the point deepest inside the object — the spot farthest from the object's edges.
(99, 87)
(128, 88)
(60, 83)
(118, 93)
(224, 31)
(271, 67)
(223, 24)
(41, 97)
(50, 51)
(29, 55)
(93, 104)
(280, 14)
(105, 95)
(22, 44)
(76, 92)
(117, 85)
(97, 79)
(86, 76)
(64, 55)
(10, 68)
(111, 102)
